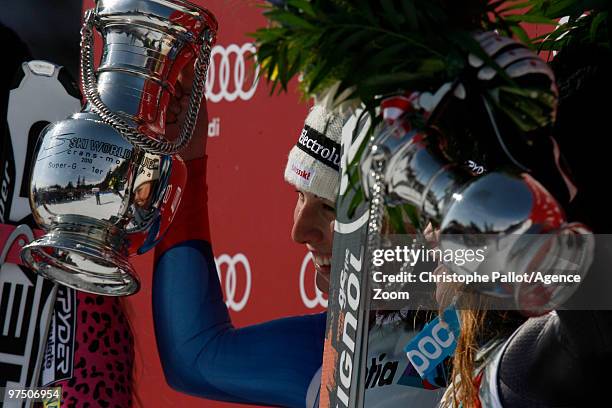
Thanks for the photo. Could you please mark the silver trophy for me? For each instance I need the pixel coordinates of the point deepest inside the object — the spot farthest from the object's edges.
(106, 182)
(507, 209)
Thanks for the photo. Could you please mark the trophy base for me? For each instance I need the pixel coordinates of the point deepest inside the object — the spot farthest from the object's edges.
(77, 254)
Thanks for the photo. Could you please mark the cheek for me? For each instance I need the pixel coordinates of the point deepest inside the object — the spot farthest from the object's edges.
(296, 211)
(330, 229)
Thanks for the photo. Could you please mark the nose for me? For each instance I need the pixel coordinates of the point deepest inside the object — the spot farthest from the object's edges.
(306, 228)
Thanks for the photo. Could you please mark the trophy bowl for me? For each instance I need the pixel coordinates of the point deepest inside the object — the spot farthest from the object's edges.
(106, 182)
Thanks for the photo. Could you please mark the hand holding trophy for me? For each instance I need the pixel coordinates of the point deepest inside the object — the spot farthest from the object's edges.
(106, 181)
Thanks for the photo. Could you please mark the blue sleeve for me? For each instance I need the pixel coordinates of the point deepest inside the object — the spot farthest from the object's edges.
(204, 355)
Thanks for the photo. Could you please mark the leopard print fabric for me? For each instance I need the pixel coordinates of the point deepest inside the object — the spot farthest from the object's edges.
(103, 358)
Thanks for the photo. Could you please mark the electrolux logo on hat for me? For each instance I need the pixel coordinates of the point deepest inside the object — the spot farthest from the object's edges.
(320, 147)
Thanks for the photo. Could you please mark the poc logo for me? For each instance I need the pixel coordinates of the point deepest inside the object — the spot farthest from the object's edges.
(430, 348)
(433, 344)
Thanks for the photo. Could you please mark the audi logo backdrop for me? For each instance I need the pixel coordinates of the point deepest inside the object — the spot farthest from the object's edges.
(264, 275)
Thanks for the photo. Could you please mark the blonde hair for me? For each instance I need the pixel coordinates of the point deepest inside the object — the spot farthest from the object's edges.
(478, 326)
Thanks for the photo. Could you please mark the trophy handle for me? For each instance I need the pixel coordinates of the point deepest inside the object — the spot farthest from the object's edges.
(144, 142)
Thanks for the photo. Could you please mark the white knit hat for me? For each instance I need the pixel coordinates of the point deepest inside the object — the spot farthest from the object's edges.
(148, 170)
(314, 162)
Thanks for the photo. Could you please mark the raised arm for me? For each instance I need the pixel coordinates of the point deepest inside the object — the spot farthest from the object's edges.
(201, 352)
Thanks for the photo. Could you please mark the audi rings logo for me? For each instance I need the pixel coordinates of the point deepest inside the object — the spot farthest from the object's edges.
(228, 76)
(235, 265)
(317, 299)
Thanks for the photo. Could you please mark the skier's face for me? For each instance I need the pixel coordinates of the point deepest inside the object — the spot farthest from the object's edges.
(142, 194)
(313, 225)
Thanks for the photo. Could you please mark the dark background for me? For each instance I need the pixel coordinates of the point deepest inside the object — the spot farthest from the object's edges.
(49, 28)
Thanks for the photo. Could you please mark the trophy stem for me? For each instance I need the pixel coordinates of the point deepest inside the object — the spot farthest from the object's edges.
(84, 254)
